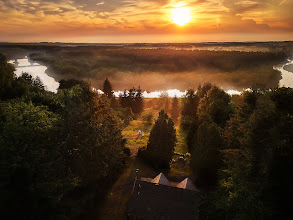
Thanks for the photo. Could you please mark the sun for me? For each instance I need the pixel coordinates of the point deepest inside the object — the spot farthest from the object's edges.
(181, 15)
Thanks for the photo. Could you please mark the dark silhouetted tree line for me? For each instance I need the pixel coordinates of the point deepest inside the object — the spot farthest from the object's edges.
(57, 151)
(132, 99)
(207, 112)
(242, 69)
(241, 153)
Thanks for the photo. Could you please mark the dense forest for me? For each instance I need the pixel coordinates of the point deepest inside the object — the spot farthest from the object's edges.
(241, 151)
(160, 67)
(57, 151)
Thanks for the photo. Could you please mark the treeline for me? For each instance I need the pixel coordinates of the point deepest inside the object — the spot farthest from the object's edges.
(57, 151)
(233, 69)
(241, 151)
(132, 99)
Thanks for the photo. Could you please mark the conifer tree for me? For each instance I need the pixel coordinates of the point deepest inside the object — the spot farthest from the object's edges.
(133, 99)
(123, 99)
(162, 140)
(107, 88)
(139, 104)
(189, 109)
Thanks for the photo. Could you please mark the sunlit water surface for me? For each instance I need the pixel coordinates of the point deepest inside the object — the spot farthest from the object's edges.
(35, 69)
(287, 77)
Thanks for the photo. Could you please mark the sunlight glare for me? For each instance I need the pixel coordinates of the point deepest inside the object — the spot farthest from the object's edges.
(181, 15)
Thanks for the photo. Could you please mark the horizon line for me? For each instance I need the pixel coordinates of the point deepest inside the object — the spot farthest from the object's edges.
(199, 42)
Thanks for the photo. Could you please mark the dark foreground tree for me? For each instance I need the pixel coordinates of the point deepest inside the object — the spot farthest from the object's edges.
(190, 102)
(254, 179)
(214, 106)
(189, 109)
(205, 153)
(161, 143)
(57, 151)
(33, 176)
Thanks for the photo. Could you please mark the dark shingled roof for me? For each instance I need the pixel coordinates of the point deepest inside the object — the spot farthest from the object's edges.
(155, 201)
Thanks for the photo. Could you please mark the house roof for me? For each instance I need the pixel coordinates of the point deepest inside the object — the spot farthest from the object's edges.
(152, 200)
(186, 184)
(161, 179)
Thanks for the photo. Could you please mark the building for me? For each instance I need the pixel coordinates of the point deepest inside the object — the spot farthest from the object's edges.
(157, 199)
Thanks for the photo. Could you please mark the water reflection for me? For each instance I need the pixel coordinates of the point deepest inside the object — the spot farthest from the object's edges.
(287, 77)
(35, 69)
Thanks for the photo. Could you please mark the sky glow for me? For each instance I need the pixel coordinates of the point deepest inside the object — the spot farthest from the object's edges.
(145, 20)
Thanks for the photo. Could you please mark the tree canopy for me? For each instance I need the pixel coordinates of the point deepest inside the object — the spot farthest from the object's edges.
(56, 150)
(107, 88)
(161, 143)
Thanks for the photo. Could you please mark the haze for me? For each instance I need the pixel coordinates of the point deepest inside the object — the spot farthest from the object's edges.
(144, 21)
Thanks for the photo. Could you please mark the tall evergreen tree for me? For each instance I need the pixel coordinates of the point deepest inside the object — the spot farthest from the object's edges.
(139, 103)
(124, 99)
(133, 99)
(215, 105)
(189, 109)
(107, 88)
(205, 153)
(161, 143)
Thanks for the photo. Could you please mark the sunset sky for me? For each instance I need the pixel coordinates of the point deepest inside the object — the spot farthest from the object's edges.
(105, 21)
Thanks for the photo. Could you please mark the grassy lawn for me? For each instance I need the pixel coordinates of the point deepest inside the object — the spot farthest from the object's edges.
(135, 140)
(181, 147)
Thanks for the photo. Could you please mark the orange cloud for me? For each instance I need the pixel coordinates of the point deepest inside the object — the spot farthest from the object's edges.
(59, 20)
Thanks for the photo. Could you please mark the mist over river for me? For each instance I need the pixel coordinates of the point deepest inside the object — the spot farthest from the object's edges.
(25, 65)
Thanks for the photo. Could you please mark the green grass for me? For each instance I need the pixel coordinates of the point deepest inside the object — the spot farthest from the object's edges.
(134, 140)
(181, 147)
(115, 204)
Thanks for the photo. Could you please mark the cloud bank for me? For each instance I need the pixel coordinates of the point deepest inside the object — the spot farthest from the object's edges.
(95, 20)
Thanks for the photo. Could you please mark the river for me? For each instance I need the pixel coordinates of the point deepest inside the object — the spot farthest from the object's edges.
(287, 77)
(35, 69)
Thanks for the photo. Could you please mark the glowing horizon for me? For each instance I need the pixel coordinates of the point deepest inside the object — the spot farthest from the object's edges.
(127, 21)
